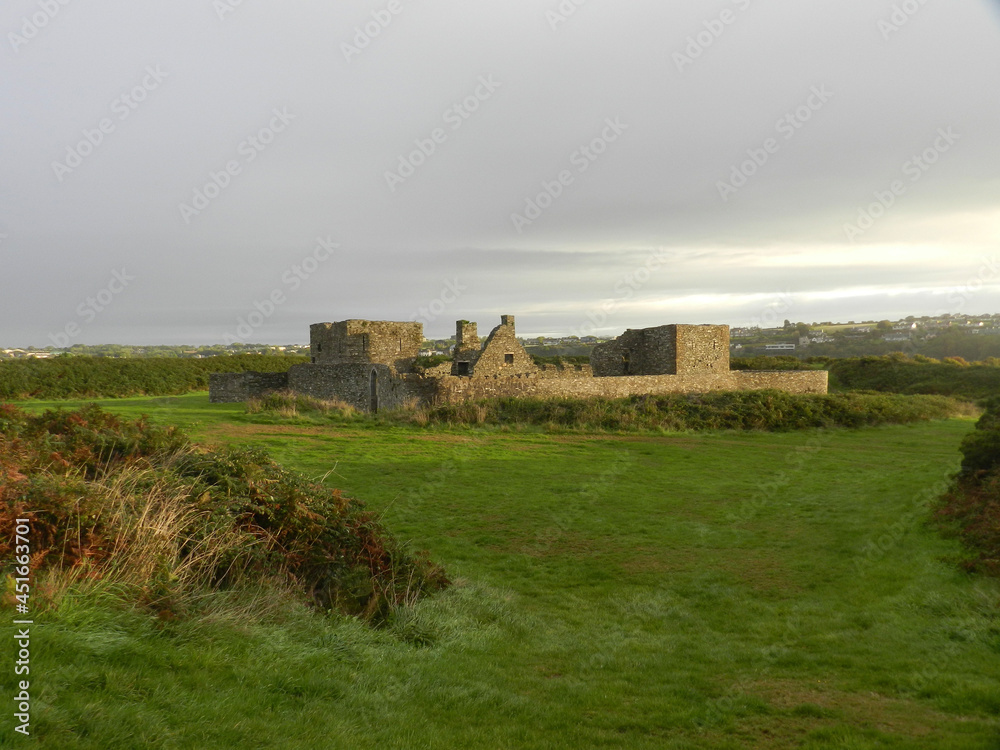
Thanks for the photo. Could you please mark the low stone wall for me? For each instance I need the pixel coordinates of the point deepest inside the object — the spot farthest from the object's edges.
(352, 383)
(566, 372)
(233, 387)
(457, 390)
(791, 381)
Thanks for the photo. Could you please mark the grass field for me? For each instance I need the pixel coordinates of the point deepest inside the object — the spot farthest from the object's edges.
(721, 590)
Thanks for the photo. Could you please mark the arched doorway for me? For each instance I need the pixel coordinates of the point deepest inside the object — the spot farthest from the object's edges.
(373, 392)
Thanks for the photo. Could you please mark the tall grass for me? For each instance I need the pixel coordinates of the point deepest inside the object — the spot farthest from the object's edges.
(291, 404)
(165, 524)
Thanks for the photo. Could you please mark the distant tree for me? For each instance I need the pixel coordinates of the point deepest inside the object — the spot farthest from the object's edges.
(884, 325)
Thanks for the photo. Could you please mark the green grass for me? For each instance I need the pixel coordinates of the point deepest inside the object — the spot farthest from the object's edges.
(721, 590)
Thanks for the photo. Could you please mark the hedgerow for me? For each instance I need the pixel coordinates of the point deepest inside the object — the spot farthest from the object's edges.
(104, 377)
(970, 510)
(773, 411)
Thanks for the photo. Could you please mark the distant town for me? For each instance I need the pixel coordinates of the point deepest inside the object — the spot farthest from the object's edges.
(969, 336)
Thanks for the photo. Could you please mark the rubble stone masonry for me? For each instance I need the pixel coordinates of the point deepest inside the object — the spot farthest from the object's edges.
(369, 364)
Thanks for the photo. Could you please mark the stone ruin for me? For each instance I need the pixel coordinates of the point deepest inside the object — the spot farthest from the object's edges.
(372, 365)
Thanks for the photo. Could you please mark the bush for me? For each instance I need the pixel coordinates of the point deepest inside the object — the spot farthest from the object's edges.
(168, 522)
(921, 375)
(970, 509)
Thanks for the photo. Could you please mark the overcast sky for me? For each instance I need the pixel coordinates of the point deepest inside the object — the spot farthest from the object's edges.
(199, 171)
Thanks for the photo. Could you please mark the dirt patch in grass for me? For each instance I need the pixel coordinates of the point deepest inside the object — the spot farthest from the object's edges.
(760, 571)
(868, 710)
(798, 709)
(554, 543)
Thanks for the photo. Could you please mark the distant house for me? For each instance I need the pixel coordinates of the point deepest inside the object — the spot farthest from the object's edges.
(779, 347)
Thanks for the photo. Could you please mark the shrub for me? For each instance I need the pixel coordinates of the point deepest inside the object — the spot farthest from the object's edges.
(970, 509)
(956, 378)
(169, 522)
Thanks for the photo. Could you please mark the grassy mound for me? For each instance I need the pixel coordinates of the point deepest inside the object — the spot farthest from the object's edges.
(970, 509)
(168, 524)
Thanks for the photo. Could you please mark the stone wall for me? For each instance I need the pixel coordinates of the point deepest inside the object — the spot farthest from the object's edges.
(353, 384)
(467, 348)
(233, 387)
(457, 390)
(368, 364)
(792, 381)
(664, 350)
(503, 355)
(467, 336)
(389, 343)
(702, 349)
(566, 371)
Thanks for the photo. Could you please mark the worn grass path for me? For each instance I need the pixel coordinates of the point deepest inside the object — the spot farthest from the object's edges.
(647, 591)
